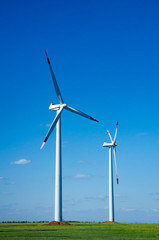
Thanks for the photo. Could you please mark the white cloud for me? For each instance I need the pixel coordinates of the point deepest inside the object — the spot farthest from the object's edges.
(1, 178)
(81, 176)
(21, 161)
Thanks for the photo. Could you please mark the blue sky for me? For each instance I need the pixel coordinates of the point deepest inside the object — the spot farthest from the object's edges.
(105, 55)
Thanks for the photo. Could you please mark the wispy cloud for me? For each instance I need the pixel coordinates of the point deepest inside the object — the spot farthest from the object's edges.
(78, 176)
(72, 202)
(12, 183)
(87, 162)
(64, 144)
(129, 209)
(143, 210)
(155, 210)
(48, 125)
(99, 197)
(153, 194)
(5, 193)
(21, 161)
(81, 176)
(43, 209)
(45, 125)
(142, 134)
(7, 181)
(117, 195)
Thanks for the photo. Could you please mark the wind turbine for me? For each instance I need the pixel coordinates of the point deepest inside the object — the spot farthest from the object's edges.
(57, 122)
(111, 146)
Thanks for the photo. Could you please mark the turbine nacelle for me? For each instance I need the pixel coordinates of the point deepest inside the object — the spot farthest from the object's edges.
(56, 107)
(109, 144)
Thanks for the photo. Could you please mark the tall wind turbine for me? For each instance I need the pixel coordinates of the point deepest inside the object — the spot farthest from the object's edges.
(111, 146)
(57, 122)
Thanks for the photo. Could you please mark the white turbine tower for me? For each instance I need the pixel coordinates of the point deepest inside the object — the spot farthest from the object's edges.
(111, 146)
(57, 122)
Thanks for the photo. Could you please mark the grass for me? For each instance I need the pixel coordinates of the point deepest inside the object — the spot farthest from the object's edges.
(91, 231)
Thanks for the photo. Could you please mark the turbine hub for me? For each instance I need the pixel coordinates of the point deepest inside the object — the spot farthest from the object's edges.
(115, 144)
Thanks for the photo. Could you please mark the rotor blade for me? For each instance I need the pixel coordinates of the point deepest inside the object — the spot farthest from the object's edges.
(80, 113)
(115, 165)
(109, 136)
(116, 131)
(57, 90)
(52, 126)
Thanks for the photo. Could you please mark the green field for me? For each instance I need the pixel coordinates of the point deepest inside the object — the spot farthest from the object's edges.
(91, 231)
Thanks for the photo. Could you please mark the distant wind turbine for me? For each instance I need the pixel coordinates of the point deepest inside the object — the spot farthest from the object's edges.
(111, 146)
(57, 122)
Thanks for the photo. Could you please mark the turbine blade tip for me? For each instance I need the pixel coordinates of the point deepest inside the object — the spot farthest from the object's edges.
(44, 142)
(42, 145)
(94, 119)
(107, 131)
(46, 53)
(117, 180)
(47, 57)
(117, 124)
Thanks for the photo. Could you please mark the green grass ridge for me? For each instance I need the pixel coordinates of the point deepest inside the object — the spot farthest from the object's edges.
(77, 230)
